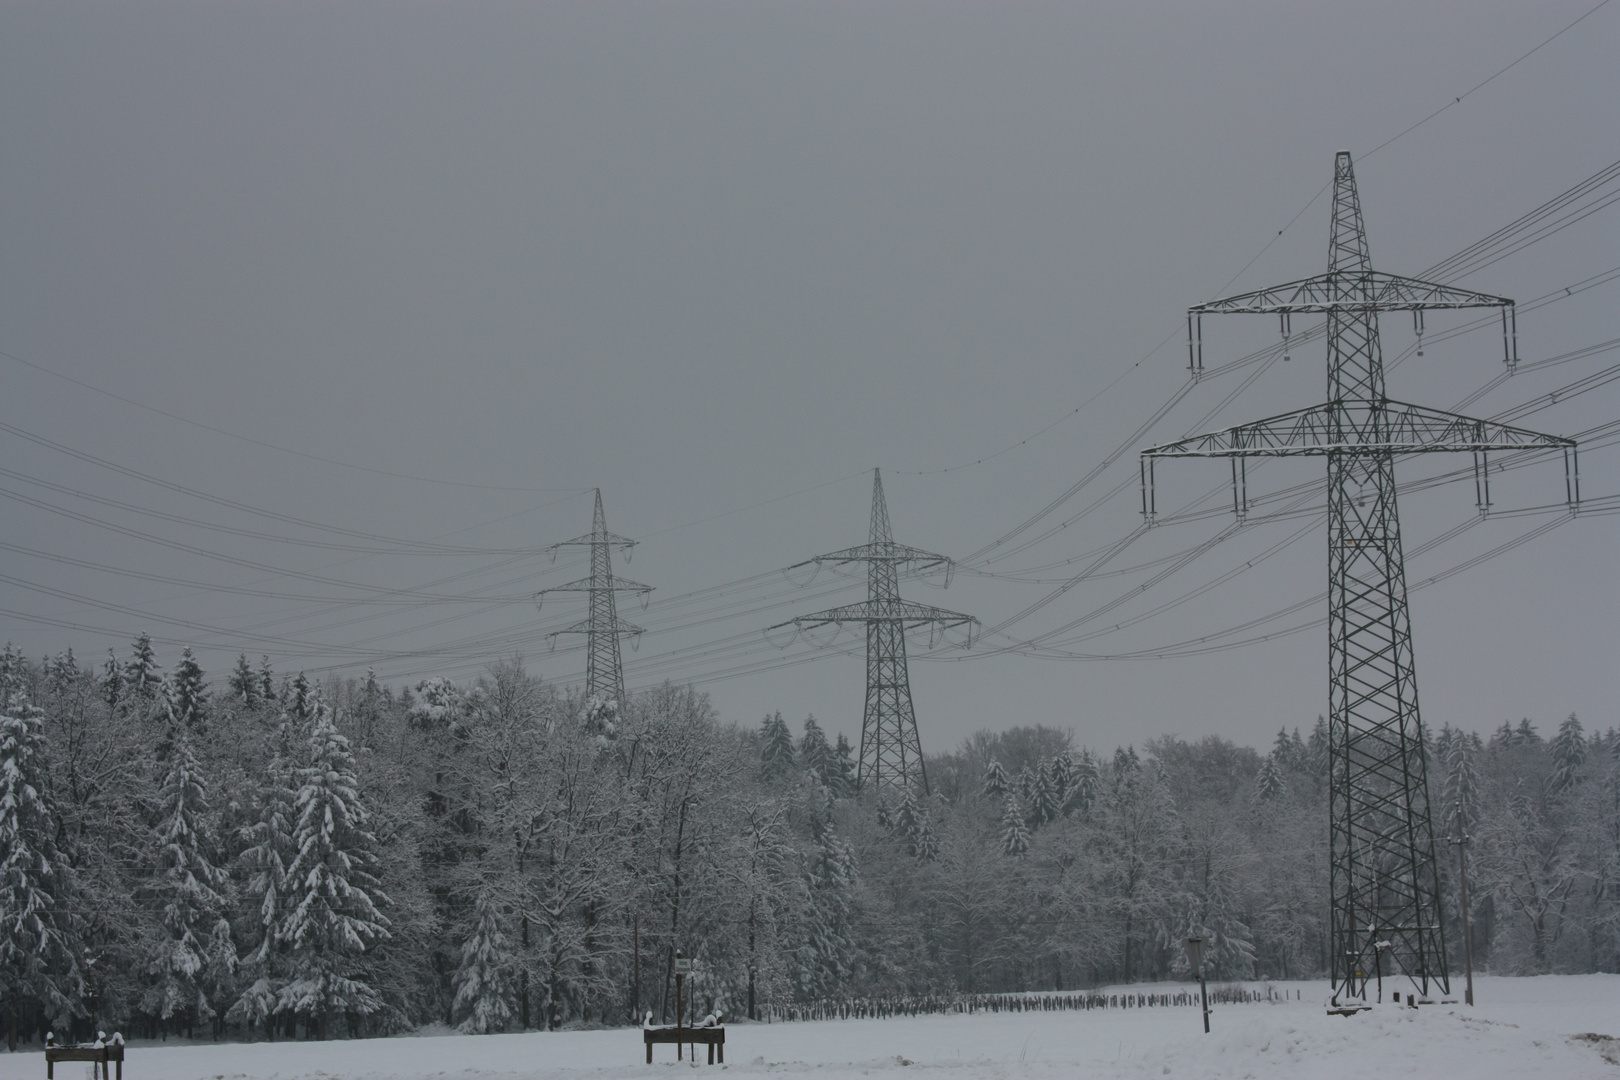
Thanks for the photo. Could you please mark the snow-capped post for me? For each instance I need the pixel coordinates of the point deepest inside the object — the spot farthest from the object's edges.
(1195, 957)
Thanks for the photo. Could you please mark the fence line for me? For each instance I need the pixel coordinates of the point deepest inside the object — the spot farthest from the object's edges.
(878, 1008)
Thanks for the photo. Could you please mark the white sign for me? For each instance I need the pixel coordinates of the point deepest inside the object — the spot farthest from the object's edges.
(683, 965)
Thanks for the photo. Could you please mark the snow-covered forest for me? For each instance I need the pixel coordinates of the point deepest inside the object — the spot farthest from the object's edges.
(258, 856)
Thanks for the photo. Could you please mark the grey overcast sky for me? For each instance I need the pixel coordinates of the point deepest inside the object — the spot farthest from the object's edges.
(420, 275)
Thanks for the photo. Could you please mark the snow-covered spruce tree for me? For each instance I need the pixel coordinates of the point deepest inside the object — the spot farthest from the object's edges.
(36, 962)
(814, 753)
(13, 673)
(776, 747)
(267, 859)
(1043, 796)
(1568, 751)
(243, 683)
(1269, 783)
(997, 784)
(1083, 789)
(1460, 785)
(332, 883)
(185, 700)
(1014, 833)
(142, 676)
(829, 954)
(841, 777)
(484, 977)
(267, 680)
(188, 889)
(110, 681)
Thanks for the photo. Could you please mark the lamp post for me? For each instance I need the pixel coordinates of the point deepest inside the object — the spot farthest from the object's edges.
(1195, 957)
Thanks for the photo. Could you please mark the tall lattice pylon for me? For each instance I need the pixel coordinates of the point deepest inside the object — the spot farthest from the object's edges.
(891, 752)
(1385, 916)
(604, 673)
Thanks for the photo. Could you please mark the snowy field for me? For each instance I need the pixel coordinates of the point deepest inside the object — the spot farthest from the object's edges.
(1523, 1028)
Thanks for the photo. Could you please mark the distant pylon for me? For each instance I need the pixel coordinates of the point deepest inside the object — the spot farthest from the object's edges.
(891, 752)
(604, 674)
(1384, 883)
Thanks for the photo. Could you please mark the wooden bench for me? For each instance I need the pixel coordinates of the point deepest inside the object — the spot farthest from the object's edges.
(709, 1030)
(100, 1052)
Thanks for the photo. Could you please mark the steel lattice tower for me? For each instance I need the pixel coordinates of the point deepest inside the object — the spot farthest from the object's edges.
(604, 674)
(891, 753)
(1384, 888)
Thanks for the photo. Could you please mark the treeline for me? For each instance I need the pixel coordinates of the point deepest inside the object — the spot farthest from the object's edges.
(269, 858)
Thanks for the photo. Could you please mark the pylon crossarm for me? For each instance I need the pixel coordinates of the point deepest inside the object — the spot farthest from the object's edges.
(1359, 427)
(584, 585)
(621, 628)
(610, 539)
(1365, 290)
(888, 552)
(895, 611)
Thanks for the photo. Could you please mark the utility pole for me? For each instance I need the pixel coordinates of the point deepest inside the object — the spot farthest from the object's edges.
(1461, 840)
(604, 674)
(1384, 882)
(891, 752)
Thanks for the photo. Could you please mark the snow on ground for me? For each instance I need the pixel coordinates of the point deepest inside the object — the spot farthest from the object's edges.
(1522, 1028)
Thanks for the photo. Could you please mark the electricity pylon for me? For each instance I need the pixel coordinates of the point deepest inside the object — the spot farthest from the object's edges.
(891, 753)
(604, 675)
(1385, 887)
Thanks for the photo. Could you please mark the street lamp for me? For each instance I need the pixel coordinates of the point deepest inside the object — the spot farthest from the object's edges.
(1195, 957)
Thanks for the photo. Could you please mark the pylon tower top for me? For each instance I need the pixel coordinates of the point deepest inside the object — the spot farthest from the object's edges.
(604, 670)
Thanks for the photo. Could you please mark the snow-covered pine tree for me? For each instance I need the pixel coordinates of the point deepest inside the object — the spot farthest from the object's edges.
(1525, 734)
(13, 673)
(188, 888)
(301, 704)
(776, 746)
(841, 779)
(36, 963)
(267, 680)
(61, 671)
(335, 917)
(906, 821)
(1043, 796)
(997, 784)
(829, 952)
(1269, 783)
(243, 683)
(926, 847)
(1569, 753)
(142, 677)
(483, 979)
(814, 753)
(1082, 793)
(186, 695)
(1062, 771)
(1014, 833)
(270, 853)
(111, 680)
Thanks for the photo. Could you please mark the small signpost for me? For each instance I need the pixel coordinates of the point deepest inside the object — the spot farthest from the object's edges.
(1195, 957)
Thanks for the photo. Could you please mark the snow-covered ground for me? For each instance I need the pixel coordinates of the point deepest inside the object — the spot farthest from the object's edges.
(1522, 1028)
